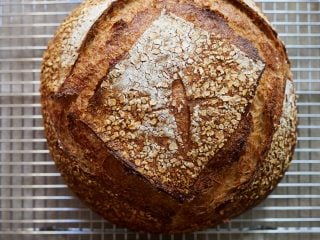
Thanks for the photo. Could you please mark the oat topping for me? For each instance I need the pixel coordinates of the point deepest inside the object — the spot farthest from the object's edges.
(148, 124)
(279, 155)
(71, 33)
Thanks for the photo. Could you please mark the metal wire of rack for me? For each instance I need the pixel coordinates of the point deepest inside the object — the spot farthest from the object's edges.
(36, 204)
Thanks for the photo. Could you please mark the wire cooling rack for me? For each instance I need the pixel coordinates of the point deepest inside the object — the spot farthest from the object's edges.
(36, 204)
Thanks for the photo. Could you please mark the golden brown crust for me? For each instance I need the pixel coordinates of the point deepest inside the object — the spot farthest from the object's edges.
(173, 101)
(175, 151)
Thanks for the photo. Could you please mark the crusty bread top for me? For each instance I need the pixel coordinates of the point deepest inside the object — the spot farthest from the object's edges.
(175, 91)
(174, 100)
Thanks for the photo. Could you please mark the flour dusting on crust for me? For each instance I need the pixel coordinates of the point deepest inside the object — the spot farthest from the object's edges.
(147, 120)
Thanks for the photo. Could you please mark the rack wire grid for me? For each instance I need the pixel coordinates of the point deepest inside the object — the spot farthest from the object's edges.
(36, 204)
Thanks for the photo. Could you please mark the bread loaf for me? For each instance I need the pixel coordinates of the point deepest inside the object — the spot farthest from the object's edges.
(168, 116)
